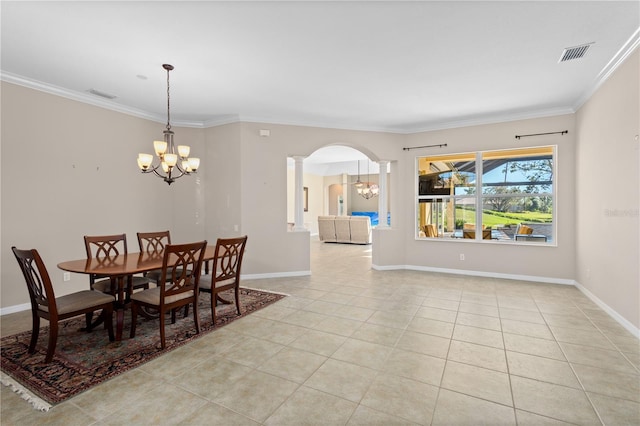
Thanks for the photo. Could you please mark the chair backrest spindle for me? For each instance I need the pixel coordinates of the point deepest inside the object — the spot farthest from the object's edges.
(105, 245)
(37, 279)
(181, 268)
(153, 242)
(228, 258)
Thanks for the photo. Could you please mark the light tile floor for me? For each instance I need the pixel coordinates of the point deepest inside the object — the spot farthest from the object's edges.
(354, 346)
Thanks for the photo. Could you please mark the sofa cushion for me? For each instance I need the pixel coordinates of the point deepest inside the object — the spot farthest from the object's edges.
(343, 231)
(360, 227)
(327, 228)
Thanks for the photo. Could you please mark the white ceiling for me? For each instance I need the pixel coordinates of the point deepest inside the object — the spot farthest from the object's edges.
(388, 66)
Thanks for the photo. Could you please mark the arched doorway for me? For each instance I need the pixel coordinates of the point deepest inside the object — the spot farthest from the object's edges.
(330, 174)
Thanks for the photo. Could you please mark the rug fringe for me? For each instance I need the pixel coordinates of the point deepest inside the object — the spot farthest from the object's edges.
(265, 290)
(24, 393)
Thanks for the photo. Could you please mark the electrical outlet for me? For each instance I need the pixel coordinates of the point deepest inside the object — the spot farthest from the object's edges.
(66, 276)
(461, 256)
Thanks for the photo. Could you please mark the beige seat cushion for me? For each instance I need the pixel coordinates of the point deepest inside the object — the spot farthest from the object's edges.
(152, 296)
(205, 282)
(154, 275)
(80, 300)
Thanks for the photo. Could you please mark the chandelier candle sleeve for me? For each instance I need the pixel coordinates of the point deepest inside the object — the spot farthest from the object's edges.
(169, 168)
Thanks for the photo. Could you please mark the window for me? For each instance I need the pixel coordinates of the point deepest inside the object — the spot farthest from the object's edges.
(505, 195)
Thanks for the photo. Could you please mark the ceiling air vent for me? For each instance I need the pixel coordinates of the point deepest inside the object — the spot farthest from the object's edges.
(101, 94)
(576, 52)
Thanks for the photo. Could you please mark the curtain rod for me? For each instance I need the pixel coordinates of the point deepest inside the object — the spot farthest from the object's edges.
(542, 134)
(425, 146)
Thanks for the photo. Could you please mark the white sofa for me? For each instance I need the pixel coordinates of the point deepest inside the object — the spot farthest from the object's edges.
(344, 229)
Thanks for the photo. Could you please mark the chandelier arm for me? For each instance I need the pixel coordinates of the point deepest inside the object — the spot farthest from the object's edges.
(153, 170)
(170, 176)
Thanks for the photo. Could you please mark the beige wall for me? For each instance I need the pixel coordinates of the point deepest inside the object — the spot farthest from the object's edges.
(82, 179)
(607, 185)
(265, 191)
(555, 263)
(222, 169)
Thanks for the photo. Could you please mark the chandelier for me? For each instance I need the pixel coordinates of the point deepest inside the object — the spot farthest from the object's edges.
(366, 190)
(173, 163)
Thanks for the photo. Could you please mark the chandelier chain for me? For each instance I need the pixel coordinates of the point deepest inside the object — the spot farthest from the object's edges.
(168, 103)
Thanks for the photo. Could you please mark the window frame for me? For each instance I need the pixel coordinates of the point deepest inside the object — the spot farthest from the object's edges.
(479, 197)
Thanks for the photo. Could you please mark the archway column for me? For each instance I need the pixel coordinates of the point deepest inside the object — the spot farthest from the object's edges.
(382, 195)
(299, 193)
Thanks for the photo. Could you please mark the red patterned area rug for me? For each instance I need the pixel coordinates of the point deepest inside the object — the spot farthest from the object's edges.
(83, 360)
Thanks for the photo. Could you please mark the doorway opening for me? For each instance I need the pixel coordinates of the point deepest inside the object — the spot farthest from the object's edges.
(331, 177)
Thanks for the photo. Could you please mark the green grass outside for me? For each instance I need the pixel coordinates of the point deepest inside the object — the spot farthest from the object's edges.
(490, 218)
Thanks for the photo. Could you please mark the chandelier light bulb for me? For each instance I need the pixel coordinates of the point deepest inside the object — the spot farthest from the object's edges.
(160, 147)
(171, 159)
(183, 151)
(144, 161)
(194, 163)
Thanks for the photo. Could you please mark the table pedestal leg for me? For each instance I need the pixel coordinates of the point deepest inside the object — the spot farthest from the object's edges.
(120, 308)
(119, 323)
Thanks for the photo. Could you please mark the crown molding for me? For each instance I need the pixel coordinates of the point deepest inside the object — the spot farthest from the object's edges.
(75, 96)
(90, 99)
(221, 120)
(498, 118)
(319, 124)
(618, 59)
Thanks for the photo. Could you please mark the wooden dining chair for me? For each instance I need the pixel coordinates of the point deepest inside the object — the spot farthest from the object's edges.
(45, 305)
(177, 287)
(105, 246)
(225, 274)
(153, 243)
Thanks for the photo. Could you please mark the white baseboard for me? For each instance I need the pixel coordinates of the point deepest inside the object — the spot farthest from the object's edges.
(532, 278)
(549, 280)
(15, 308)
(613, 314)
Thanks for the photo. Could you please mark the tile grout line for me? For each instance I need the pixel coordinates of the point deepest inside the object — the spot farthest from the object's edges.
(444, 368)
(506, 359)
(572, 368)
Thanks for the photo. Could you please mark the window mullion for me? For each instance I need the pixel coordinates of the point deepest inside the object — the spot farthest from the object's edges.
(479, 197)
